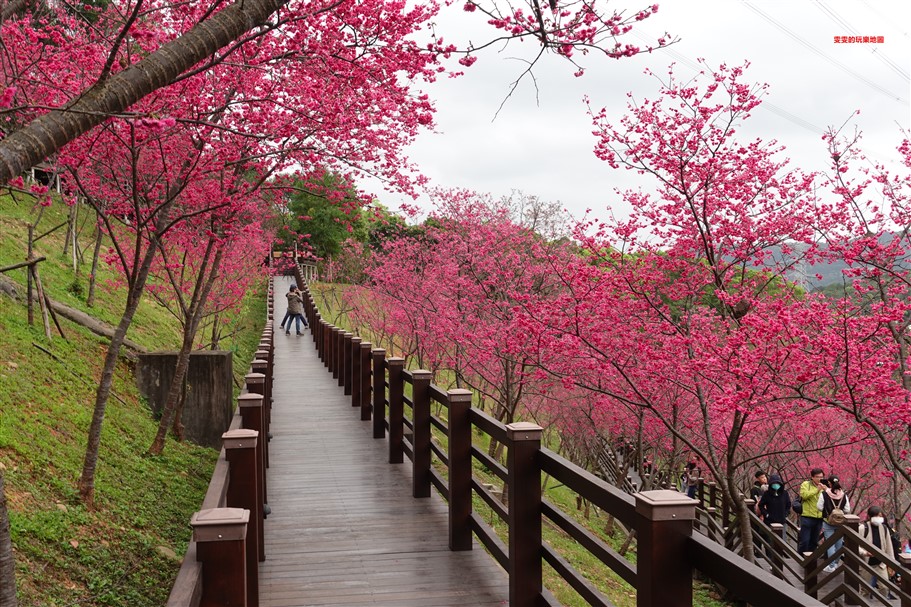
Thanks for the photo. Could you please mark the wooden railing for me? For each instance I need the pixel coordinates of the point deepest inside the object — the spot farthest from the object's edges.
(668, 550)
(221, 565)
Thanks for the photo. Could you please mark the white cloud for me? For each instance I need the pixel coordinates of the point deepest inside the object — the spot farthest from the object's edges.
(544, 146)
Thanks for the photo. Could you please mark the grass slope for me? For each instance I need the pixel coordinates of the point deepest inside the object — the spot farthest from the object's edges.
(127, 550)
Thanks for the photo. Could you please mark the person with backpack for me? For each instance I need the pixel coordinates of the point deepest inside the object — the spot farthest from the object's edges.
(834, 505)
(810, 515)
(878, 533)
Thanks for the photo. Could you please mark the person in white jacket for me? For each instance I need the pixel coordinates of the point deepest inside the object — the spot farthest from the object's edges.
(876, 531)
(834, 504)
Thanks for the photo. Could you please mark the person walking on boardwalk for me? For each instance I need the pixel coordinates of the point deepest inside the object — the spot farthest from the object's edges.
(834, 505)
(773, 508)
(877, 532)
(295, 309)
(811, 516)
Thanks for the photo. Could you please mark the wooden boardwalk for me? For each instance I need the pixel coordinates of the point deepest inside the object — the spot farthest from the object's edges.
(344, 529)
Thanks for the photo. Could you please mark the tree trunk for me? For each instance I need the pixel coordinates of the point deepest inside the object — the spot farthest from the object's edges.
(205, 280)
(90, 299)
(743, 520)
(86, 482)
(7, 563)
(29, 145)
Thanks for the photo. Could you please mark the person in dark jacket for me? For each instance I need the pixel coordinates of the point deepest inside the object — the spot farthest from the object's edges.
(775, 503)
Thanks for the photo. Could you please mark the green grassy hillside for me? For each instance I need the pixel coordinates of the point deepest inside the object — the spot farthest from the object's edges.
(126, 551)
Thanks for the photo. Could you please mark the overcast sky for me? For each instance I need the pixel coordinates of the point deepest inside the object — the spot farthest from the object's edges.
(541, 141)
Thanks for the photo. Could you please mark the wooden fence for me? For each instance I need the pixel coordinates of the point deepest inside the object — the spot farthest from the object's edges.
(221, 565)
(675, 536)
(668, 547)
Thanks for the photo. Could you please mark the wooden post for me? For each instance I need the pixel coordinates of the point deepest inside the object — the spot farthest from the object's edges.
(905, 560)
(256, 384)
(262, 367)
(852, 522)
(459, 470)
(339, 372)
(396, 409)
(778, 553)
(333, 350)
(379, 393)
(364, 380)
(664, 575)
(243, 492)
(347, 344)
(523, 441)
(251, 406)
(220, 535)
(420, 397)
(354, 387)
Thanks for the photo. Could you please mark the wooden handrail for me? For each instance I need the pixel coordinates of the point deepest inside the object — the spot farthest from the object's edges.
(668, 548)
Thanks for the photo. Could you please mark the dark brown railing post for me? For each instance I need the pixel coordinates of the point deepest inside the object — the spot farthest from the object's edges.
(420, 415)
(664, 575)
(852, 522)
(335, 338)
(340, 356)
(905, 560)
(262, 367)
(524, 478)
(345, 379)
(459, 470)
(777, 549)
(396, 409)
(256, 384)
(354, 387)
(243, 491)
(364, 380)
(379, 393)
(324, 349)
(220, 535)
(251, 407)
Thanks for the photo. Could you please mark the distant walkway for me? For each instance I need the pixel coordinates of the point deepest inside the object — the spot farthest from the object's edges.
(344, 529)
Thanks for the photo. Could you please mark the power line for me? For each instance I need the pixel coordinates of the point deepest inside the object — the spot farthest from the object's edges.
(771, 107)
(848, 28)
(831, 60)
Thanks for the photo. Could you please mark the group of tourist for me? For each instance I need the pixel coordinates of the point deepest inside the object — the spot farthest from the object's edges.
(822, 504)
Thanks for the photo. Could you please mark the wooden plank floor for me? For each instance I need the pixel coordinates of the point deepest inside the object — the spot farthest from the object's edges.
(344, 529)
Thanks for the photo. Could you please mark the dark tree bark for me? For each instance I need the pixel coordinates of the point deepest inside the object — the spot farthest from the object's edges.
(7, 564)
(193, 315)
(45, 135)
(90, 299)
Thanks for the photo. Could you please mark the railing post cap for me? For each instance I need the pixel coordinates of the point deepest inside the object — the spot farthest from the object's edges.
(254, 378)
(347, 334)
(220, 524)
(355, 339)
(776, 526)
(665, 505)
(366, 345)
(258, 363)
(396, 361)
(242, 438)
(261, 354)
(421, 374)
(250, 399)
(905, 559)
(378, 351)
(460, 395)
(523, 431)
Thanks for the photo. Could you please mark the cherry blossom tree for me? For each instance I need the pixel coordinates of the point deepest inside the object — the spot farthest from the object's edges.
(682, 313)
